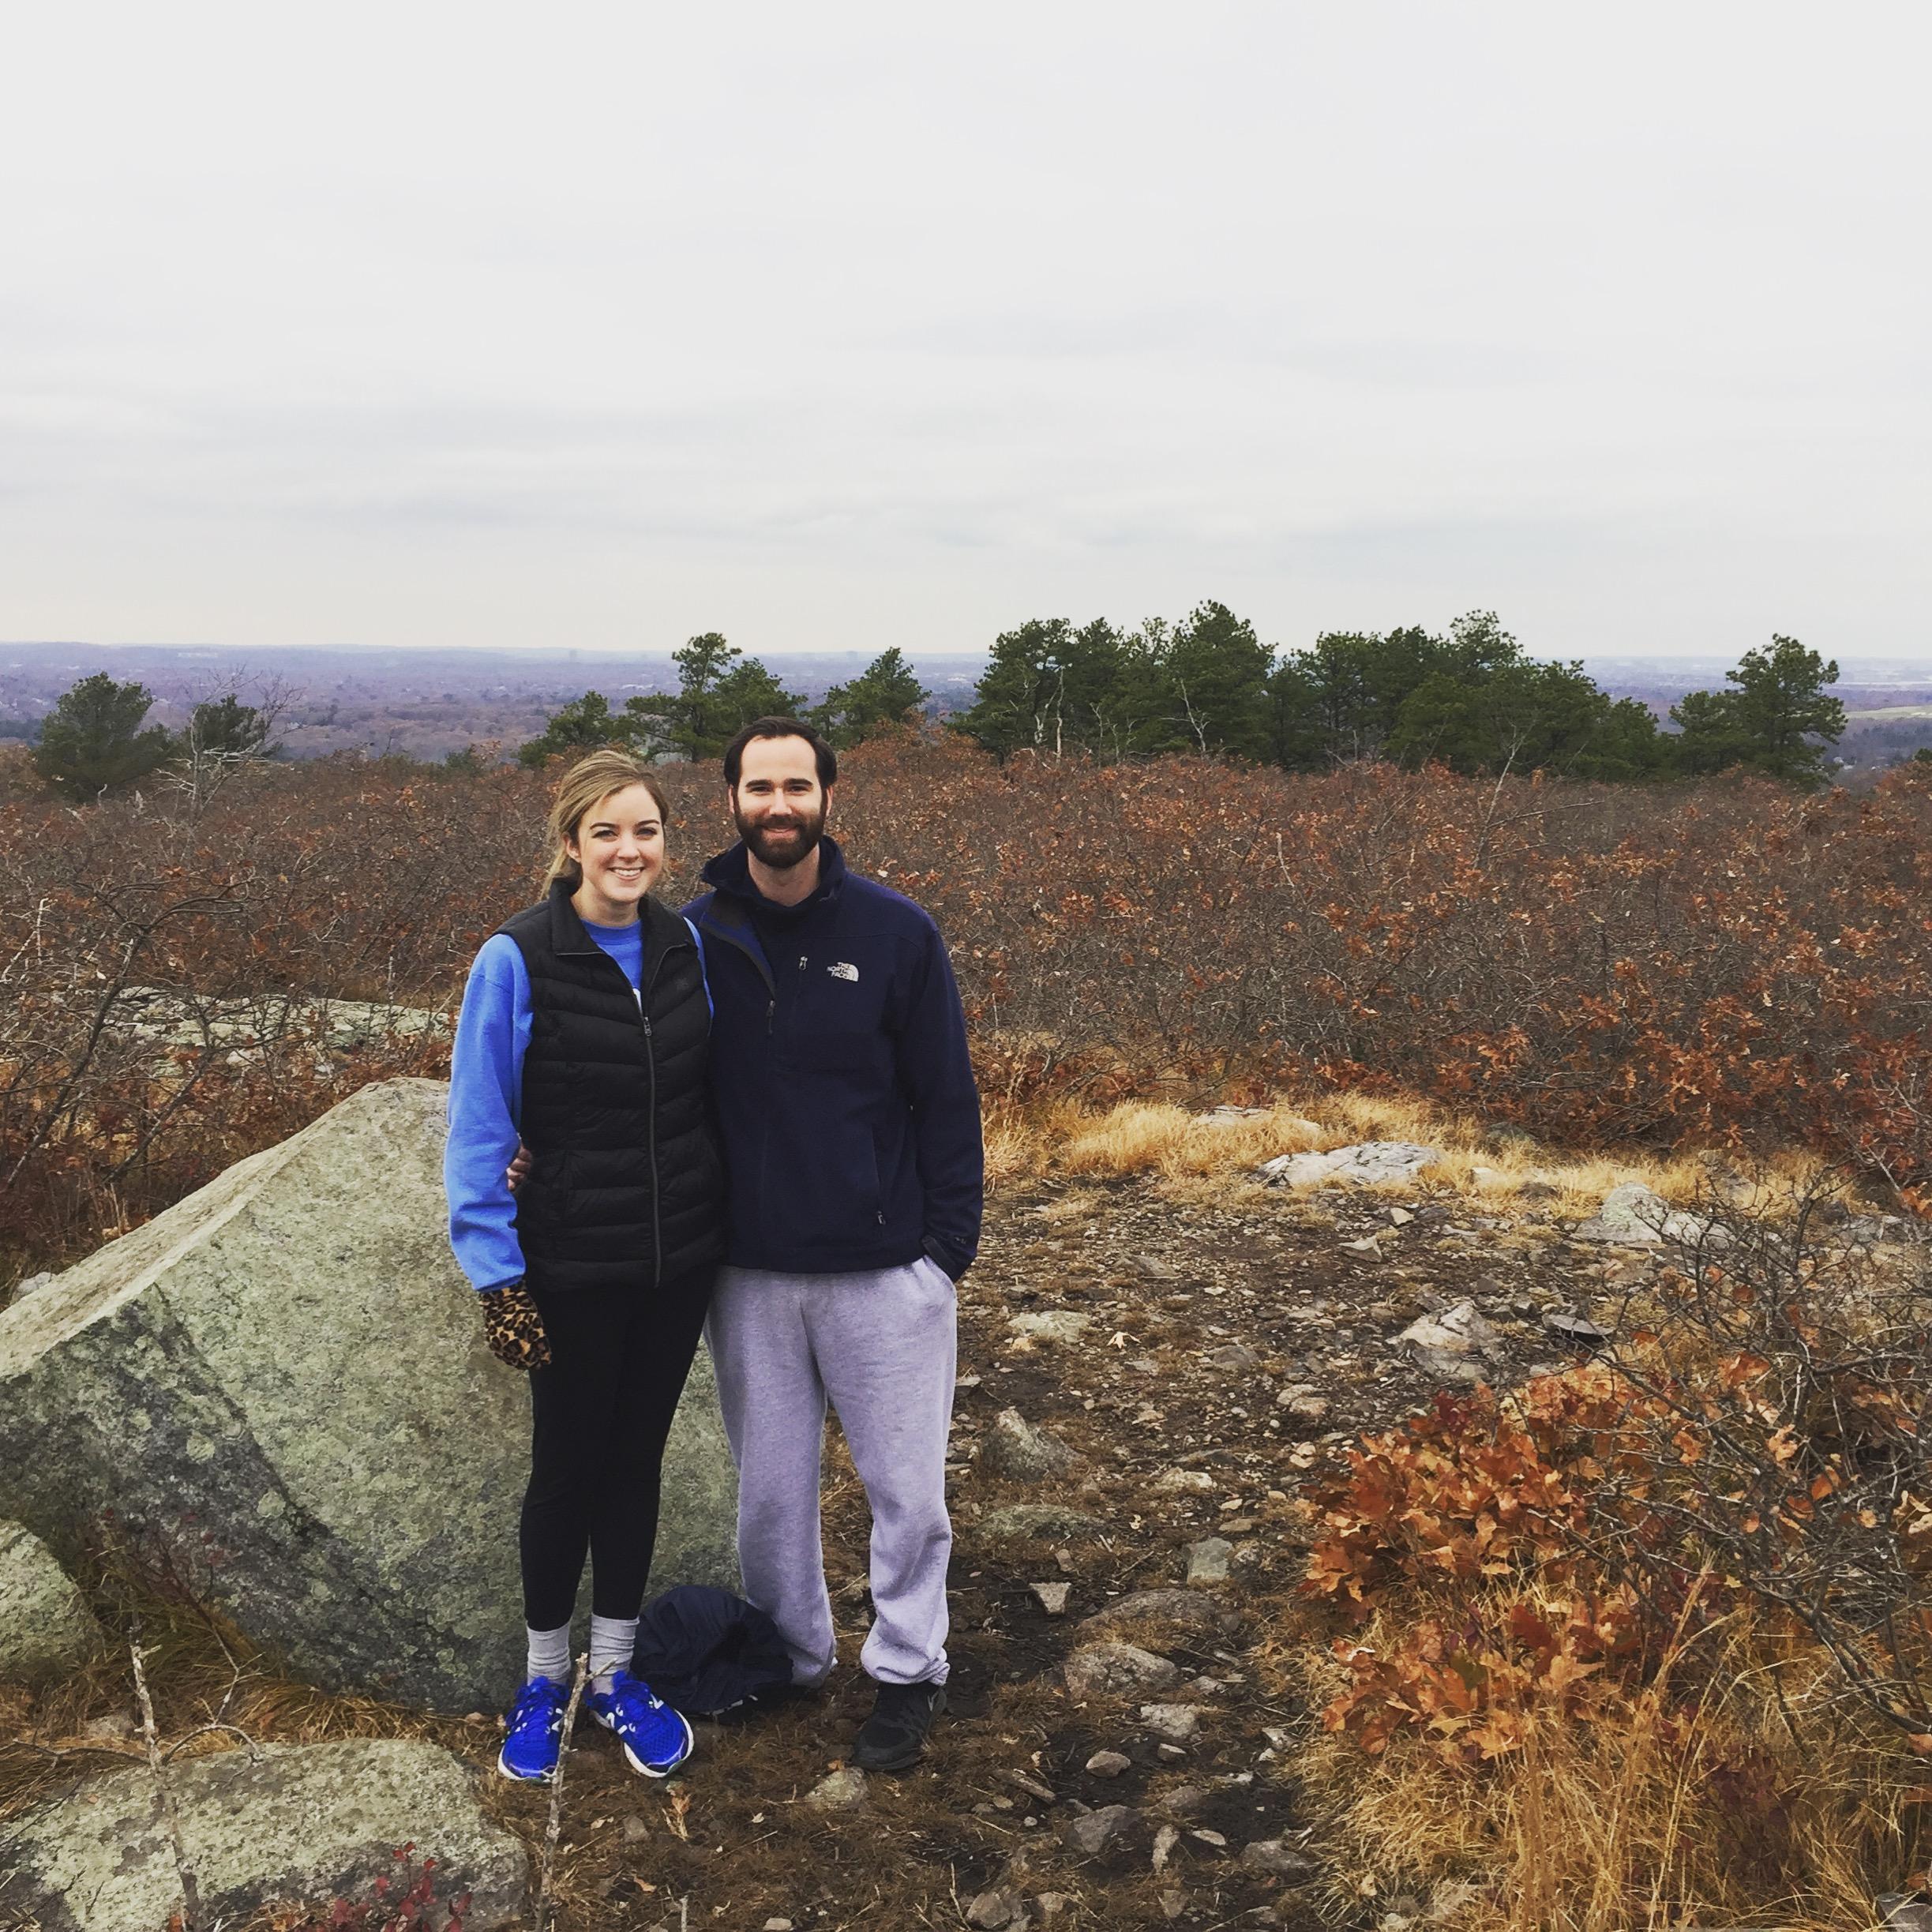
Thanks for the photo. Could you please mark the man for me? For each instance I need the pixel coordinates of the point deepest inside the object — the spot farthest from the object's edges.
(851, 1130)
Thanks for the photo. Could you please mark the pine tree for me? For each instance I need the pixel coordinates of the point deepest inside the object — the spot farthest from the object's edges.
(93, 741)
(883, 694)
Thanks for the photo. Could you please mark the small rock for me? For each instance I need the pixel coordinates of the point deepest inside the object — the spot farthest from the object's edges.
(1177, 1482)
(1164, 1840)
(635, 1831)
(1447, 1345)
(1273, 1855)
(111, 1729)
(1231, 1355)
(1304, 1405)
(1152, 1269)
(1184, 1800)
(1576, 1329)
(1367, 1245)
(778, 1924)
(1052, 1597)
(1097, 1830)
(998, 1907)
(32, 1285)
(1490, 1177)
(1635, 1216)
(1207, 1560)
(843, 1791)
(1210, 1838)
(1460, 1330)
(1175, 1723)
(1052, 1903)
(1022, 1448)
(1054, 1324)
(1400, 1216)
(1109, 1764)
(1192, 1609)
(1904, 1912)
(1040, 1519)
(1099, 1669)
(1173, 1903)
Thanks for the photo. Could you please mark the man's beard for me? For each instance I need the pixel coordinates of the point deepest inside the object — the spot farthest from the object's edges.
(791, 844)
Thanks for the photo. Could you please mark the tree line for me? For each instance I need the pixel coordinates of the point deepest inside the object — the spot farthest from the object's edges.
(1471, 700)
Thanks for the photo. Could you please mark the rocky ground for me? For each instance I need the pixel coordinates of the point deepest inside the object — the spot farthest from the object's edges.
(1148, 1375)
(1144, 1384)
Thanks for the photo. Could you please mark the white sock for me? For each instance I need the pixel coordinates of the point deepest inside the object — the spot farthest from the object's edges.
(613, 1639)
(549, 1653)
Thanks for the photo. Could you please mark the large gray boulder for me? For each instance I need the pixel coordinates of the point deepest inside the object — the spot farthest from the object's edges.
(298, 1824)
(46, 1627)
(279, 1390)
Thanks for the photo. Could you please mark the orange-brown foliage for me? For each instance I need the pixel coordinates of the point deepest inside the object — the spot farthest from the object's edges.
(1600, 964)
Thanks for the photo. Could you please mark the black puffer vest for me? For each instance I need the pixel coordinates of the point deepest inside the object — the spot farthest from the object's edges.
(626, 1189)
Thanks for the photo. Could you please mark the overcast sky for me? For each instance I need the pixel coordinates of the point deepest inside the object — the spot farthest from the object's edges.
(840, 326)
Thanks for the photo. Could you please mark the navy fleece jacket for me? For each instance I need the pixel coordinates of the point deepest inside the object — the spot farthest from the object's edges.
(845, 1095)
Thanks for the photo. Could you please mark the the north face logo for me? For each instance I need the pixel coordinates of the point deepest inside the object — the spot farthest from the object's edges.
(840, 969)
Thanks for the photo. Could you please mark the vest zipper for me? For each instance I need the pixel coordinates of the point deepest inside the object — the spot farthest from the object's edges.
(651, 1061)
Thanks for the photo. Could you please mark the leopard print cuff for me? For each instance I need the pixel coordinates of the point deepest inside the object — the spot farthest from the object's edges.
(514, 1329)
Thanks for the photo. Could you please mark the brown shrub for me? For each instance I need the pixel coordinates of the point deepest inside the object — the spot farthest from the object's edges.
(1722, 963)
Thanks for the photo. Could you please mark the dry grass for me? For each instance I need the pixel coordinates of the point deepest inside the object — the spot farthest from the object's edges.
(201, 1670)
(1177, 1145)
(1697, 1807)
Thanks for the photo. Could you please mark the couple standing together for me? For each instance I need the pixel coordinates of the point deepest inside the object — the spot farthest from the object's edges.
(777, 1081)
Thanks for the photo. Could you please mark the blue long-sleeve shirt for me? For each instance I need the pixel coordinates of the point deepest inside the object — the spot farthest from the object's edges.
(486, 1100)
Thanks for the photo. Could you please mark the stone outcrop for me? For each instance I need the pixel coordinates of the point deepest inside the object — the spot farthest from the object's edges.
(278, 1391)
(46, 1627)
(1635, 1216)
(301, 1825)
(1364, 1164)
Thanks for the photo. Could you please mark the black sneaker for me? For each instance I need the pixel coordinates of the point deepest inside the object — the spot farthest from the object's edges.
(894, 1736)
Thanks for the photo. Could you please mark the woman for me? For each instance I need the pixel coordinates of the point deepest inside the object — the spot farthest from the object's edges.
(585, 1031)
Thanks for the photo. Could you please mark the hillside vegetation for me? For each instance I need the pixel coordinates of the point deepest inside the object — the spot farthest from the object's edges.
(1626, 1628)
(1727, 963)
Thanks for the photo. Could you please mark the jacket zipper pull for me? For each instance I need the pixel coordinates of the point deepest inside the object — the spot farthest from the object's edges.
(771, 1007)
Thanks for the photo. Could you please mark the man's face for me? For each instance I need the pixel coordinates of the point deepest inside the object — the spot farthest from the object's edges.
(777, 803)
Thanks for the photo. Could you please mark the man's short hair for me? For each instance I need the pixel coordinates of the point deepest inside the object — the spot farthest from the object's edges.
(826, 758)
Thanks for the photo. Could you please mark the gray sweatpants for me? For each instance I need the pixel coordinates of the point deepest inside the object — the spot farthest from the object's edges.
(882, 1346)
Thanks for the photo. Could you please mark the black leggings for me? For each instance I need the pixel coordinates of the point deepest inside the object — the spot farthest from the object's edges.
(599, 1416)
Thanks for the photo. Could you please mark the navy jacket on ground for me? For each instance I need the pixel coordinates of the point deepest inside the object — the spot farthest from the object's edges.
(845, 1096)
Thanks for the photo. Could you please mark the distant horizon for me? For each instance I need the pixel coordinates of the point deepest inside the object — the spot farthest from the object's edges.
(1853, 668)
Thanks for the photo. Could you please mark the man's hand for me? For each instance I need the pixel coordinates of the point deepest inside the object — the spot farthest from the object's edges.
(518, 1171)
(513, 1328)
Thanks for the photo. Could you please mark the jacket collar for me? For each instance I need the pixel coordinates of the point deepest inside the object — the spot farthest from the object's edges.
(662, 927)
(730, 873)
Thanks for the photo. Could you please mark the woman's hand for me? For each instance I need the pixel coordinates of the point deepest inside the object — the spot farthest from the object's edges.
(518, 1171)
(513, 1328)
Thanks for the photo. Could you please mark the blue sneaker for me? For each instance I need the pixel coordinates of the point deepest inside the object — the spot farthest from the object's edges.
(655, 1738)
(536, 1723)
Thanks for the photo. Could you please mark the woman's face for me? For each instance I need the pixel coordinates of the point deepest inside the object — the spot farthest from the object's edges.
(619, 847)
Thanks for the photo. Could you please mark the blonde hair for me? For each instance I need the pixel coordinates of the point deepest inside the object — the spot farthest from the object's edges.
(585, 785)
